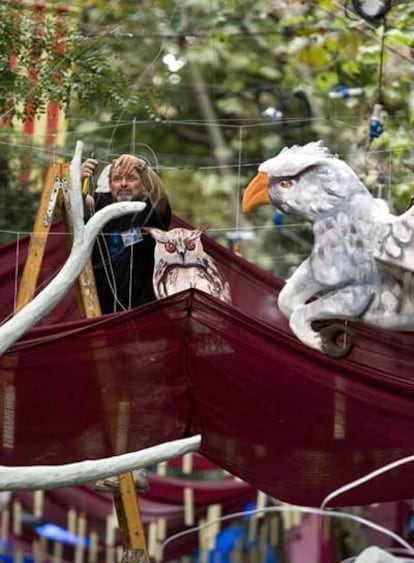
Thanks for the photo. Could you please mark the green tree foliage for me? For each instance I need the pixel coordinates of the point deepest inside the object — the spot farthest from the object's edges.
(45, 57)
(207, 90)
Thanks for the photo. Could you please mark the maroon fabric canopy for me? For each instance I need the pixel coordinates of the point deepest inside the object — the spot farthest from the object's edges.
(288, 420)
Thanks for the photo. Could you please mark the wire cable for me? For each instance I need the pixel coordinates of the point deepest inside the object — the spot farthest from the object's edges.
(298, 508)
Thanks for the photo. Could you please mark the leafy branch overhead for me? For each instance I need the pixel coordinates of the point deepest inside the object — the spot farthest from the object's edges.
(44, 58)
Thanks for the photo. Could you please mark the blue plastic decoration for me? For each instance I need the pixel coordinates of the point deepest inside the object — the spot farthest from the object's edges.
(4, 558)
(344, 92)
(57, 533)
(376, 125)
(278, 218)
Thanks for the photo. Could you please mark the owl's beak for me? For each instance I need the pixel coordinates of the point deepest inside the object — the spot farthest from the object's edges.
(256, 193)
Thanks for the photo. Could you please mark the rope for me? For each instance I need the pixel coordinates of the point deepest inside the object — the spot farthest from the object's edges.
(282, 508)
(239, 167)
(366, 478)
(131, 267)
(381, 65)
(16, 272)
(106, 261)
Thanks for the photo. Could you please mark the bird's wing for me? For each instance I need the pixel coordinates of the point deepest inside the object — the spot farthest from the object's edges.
(394, 243)
(217, 283)
(340, 252)
(158, 279)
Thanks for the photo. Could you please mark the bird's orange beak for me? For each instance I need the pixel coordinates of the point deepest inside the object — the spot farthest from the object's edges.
(256, 193)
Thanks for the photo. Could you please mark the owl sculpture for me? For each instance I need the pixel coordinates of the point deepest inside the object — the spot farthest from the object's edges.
(362, 262)
(181, 263)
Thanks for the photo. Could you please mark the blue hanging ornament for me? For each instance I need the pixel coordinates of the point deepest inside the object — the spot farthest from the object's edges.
(376, 125)
(341, 91)
(278, 218)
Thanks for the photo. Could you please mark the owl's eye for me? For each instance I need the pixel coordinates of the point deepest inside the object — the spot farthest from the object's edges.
(190, 244)
(285, 183)
(170, 246)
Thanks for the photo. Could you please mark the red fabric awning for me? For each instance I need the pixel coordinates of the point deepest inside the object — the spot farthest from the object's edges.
(290, 421)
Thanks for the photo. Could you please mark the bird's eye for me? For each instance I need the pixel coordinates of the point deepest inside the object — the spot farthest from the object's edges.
(170, 246)
(190, 244)
(285, 183)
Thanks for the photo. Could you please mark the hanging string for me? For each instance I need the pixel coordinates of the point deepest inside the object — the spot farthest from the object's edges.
(133, 134)
(298, 508)
(131, 269)
(16, 271)
(106, 262)
(239, 167)
(376, 126)
(381, 64)
(357, 482)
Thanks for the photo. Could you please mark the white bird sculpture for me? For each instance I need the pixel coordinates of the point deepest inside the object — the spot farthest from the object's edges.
(374, 554)
(362, 262)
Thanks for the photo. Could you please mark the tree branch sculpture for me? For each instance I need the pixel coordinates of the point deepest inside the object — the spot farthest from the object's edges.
(83, 239)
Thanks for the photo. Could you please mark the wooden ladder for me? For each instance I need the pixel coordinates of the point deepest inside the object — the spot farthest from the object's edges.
(57, 180)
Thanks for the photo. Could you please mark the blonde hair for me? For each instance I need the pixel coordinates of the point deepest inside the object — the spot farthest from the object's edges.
(152, 185)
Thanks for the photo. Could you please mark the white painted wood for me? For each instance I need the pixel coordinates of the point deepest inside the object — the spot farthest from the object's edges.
(374, 554)
(68, 475)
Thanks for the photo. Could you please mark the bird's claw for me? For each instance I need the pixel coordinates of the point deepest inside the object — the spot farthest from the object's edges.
(331, 334)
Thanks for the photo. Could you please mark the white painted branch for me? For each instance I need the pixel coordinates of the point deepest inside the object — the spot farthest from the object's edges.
(68, 475)
(76, 207)
(374, 554)
(84, 238)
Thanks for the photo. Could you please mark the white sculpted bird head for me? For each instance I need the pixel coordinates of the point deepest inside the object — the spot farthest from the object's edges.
(361, 263)
(307, 181)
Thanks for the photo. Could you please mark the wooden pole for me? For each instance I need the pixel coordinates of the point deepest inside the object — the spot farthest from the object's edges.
(38, 239)
(58, 177)
(125, 500)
